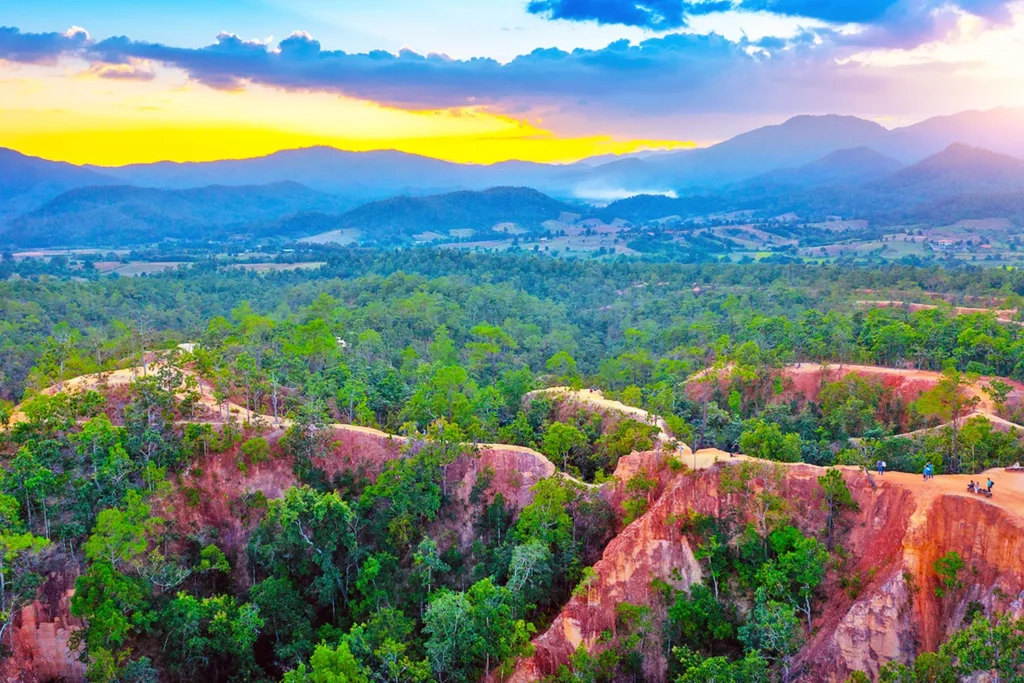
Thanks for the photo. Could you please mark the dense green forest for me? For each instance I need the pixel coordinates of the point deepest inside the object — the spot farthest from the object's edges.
(340, 578)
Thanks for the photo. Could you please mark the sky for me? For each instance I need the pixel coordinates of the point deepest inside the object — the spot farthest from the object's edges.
(114, 82)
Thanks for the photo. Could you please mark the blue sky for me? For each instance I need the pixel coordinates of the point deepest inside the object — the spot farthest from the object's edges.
(678, 70)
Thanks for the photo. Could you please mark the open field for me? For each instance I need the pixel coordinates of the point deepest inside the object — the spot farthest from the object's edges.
(137, 267)
(48, 253)
(428, 236)
(342, 237)
(276, 267)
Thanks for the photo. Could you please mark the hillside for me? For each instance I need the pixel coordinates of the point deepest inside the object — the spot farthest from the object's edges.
(368, 175)
(647, 207)
(844, 167)
(959, 169)
(28, 182)
(121, 214)
(402, 217)
(540, 447)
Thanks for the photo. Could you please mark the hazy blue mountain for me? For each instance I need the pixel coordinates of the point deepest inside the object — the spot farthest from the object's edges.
(1000, 130)
(366, 174)
(959, 169)
(808, 164)
(647, 207)
(28, 182)
(123, 214)
(843, 167)
(796, 142)
(401, 217)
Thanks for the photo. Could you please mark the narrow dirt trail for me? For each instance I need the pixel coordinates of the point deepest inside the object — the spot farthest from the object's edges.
(596, 399)
(127, 376)
(986, 406)
(1007, 493)
(1003, 315)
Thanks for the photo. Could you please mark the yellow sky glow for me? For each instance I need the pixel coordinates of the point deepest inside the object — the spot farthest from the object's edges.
(68, 113)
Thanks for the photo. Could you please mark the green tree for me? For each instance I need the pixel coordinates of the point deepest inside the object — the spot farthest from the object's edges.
(951, 402)
(19, 556)
(948, 568)
(993, 647)
(638, 495)
(210, 637)
(58, 349)
(753, 668)
(836, 499)
(309, 537)
(560, 440)
(797, 570)
(700, 620)
(766, 441)
(329, 665)
(287, 618)
(773, 630)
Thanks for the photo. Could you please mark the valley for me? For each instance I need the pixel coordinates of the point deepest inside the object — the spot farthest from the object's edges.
(625, 452)
(910, 198)
(521, 341)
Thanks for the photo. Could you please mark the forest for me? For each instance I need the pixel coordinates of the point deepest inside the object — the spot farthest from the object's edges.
(353, 575)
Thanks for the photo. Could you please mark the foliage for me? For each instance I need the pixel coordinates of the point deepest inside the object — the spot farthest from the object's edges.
(948, 568)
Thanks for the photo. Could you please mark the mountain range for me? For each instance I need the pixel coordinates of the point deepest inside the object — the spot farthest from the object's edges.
(813, 164)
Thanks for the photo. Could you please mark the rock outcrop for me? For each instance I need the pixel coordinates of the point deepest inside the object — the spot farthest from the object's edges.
(903, 525)
(41, 635)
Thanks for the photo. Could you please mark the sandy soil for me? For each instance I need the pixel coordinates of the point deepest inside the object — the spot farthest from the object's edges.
(985, 406)
(1002, 315)
(1009, 490)
(1007, 493)
(129, 375)
(595, 398)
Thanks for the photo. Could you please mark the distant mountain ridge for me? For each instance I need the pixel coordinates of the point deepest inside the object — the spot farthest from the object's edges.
(958, 169)
(123, 214)
(405, 216)
(842, 167)
(814, 164)
(368, 174)
(967, 181)
(27, 182)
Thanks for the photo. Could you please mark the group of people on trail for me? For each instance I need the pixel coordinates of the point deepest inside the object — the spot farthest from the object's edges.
(929, 472)
(976, 487)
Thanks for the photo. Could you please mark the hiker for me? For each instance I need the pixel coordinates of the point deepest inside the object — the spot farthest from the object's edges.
(990, 484)
(880, 467)
(884, 466)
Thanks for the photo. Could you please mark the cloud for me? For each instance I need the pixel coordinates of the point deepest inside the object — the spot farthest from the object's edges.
(652, 14)
(661, 87)
(637, 75)
(878, 11)
(39, 48)
(884, 23)
(132, 70)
